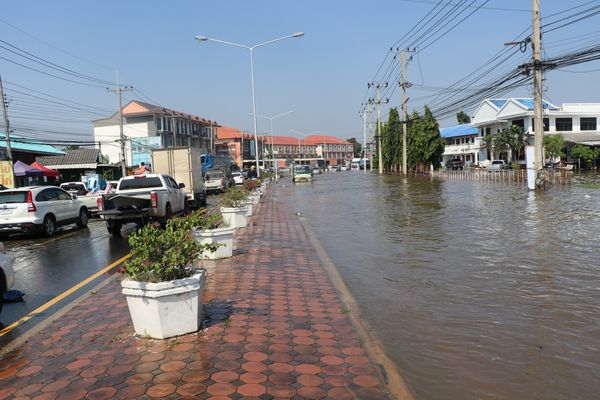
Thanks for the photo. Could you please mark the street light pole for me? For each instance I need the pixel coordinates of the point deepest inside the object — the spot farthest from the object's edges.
(251, 49)
(271, 125)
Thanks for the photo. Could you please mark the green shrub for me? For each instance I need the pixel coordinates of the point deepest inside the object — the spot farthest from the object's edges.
(159, 255)
(203, 219)
(233, 197)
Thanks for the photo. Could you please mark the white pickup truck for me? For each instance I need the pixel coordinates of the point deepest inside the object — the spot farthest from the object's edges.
(142, 199)
(89, 199)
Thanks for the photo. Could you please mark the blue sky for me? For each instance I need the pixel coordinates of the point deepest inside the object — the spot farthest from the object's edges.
(321, 76)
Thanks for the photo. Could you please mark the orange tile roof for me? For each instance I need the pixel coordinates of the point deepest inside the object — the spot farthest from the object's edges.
(228, 133)
(320, 139)
(136, 107)
(287, 141)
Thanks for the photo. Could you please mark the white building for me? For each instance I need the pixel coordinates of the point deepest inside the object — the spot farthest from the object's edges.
(146, 127)
(577, 122)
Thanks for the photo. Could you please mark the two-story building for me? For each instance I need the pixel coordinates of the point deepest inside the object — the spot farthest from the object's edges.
(146, 127)
(333, 150)
(577, 122)
(286, 147)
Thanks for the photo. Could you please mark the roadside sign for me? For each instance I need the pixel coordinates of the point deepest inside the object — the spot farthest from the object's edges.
(7, 177)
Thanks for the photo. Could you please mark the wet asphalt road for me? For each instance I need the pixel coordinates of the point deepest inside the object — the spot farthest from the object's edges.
(46, 267)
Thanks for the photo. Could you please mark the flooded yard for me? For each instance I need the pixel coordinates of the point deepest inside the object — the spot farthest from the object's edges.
(478, 290)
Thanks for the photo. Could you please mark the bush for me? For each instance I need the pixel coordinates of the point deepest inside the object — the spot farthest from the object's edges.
(159, 255)
(233, 197)
(203, 219)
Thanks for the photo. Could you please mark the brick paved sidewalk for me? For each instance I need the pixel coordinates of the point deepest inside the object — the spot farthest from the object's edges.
(276, 330)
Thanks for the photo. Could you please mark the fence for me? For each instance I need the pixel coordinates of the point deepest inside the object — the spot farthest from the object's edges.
(553, 177)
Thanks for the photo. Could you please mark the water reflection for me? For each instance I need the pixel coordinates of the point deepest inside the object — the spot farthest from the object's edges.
(478, 290)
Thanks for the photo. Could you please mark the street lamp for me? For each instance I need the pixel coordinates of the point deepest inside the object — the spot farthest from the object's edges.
(251, 49)
(272, 153)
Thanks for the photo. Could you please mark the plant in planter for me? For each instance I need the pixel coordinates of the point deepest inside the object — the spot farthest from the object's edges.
(209, 228)
(232, 208)
(163, 292)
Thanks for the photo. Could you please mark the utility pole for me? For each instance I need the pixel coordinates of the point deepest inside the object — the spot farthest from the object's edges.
(378, 102)
(537, 87)
(366, 115)
(370, 124)
(404, 115)
(6, 123)
(119, 91)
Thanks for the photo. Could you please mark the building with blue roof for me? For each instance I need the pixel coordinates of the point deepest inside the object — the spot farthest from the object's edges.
(577, 122)
(26, 149)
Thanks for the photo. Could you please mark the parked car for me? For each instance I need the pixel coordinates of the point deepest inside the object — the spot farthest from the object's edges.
(316, 170)
(39, 209)
(344, 167)
(216, 181)
(142, 199)
(89, 199)
(455, 163)
(497, 165)
(238, 178)
(7, 274)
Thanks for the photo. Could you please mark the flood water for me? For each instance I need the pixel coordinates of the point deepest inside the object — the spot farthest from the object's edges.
(478, 290)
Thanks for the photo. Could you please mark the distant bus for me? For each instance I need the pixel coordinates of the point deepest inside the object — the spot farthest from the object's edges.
(355, 164)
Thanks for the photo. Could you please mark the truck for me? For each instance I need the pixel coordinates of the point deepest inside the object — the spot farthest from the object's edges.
(142, 199)
(185, 165)
(89, 199)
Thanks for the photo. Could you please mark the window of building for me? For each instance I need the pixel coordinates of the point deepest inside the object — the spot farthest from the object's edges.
(158, 123)
(488, 131)
(587, 124)
(546, 124)
(564, 124)
(519, 122)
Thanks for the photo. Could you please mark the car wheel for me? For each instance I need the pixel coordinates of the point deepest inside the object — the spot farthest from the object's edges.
(203, 202)
(4, 236)
(186, 207)
(49, 226)
(83, 218)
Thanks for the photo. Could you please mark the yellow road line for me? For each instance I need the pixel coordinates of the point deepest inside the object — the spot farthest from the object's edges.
(61, 296)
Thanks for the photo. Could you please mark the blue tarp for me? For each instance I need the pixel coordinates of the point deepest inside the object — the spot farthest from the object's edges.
(498, 102)
(529, 104)
(458, 130)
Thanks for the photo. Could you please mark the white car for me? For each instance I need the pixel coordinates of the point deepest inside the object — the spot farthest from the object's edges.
(7, 274)
(238, 178)
(89, 199)
(39, 209)
(497, 165)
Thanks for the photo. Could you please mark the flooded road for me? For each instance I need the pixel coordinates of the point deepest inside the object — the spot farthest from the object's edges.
(478, 290)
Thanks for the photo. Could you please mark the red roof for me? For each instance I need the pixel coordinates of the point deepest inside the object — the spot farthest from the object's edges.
(320, 139)
(287, 141)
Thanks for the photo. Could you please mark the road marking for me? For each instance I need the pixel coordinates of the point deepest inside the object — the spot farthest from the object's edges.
(61, 296)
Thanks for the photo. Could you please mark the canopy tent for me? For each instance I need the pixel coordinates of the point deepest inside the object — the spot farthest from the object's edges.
(47, 171)
(22, 169)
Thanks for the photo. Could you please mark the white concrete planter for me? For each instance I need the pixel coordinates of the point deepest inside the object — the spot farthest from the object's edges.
(222, 236)
(255, 198)
(165, 309)
(235, 217)
(248, 204)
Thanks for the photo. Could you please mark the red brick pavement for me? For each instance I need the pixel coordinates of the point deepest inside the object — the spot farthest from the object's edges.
(275, 330)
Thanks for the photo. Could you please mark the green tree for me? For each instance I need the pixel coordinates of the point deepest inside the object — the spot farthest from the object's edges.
(487, 142)
(554, 145)
(392, 142)
(512, 138)
(425, 144)
(356, 147)
(463, 118)
(586, 153)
